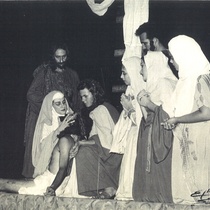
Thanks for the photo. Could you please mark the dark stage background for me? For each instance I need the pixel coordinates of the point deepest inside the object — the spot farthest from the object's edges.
(27, 30)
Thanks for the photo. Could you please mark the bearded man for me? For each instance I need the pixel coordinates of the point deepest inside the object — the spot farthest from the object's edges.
(51, 75)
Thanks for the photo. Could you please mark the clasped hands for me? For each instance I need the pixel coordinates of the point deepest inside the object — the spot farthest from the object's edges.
(126, 102)
(143, 98)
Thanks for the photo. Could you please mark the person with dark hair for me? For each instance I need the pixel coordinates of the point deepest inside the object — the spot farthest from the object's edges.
(152, 39)
(51, 75)
(97, 169)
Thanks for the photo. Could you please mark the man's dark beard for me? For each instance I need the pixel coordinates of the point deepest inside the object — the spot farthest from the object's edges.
(152, 47)
(54, 65)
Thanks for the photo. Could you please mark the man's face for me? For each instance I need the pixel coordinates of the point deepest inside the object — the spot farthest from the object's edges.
(60, 58)
(147, 44)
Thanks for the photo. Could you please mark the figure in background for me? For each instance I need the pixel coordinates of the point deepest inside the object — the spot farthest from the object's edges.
(126, 130)
(152, 175)
(153, 38)
(54, 138)
(190, 157)
(52, 75)
(97, 169)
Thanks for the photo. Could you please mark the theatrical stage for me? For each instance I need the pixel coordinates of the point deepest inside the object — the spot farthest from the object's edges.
(9, 201)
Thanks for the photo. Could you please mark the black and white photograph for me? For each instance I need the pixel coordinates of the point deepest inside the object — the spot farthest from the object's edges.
(105, 104)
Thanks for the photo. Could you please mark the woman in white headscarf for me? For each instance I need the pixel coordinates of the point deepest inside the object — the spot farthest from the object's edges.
(152, 178)
(49, 134)
(125, 133)
(191, 157)
(48, 127)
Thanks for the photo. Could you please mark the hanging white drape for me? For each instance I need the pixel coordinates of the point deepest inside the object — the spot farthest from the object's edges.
(99, 8)
(136, 13)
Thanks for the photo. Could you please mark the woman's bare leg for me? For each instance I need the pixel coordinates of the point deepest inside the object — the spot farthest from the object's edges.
(54, 163)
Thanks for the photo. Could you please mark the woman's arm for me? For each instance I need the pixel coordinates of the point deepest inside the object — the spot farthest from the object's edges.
(202, 114)
(86, 142)
(46, 130)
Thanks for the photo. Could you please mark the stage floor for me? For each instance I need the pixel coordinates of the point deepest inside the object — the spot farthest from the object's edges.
(9, 201)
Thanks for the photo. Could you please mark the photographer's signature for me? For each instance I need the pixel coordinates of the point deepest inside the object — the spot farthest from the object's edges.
(203, 196)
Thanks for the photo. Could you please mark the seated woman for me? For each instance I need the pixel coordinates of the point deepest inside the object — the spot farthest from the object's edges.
(190, 122)
(48, 128)
(97, 169)
(152, 175)
(46, 142)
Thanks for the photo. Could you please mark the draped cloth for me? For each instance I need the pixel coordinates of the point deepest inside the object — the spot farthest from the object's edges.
(99, 9)
(96, 168)
(152, 176)
(136, 13)
(190, 158)
(126, 131)
(160, 80)
(44, 139)
(121, 130)
(192, 63)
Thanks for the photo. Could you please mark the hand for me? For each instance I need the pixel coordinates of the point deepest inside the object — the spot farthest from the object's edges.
(49, 192)
(126, 102)
(72, 117)
(140, 94)
(169, 124)
(68, 120)
(74, 150)
(143, 98)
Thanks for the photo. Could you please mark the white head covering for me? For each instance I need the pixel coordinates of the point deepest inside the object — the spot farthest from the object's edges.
(58, 95)
(48, 121)
(121, 130)
(192, 63)
(161, 81)
(133, 67)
